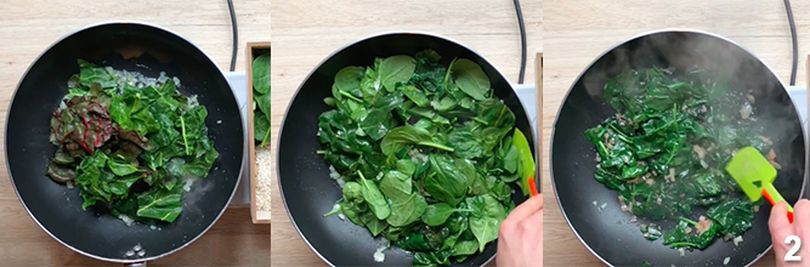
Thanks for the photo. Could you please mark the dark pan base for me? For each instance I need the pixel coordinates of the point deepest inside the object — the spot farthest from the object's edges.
(306, 187)
(58, 209)
(608, 234)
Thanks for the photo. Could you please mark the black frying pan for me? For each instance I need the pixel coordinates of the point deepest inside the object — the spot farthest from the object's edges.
(306, 188)
(608, 234)
(56, 208)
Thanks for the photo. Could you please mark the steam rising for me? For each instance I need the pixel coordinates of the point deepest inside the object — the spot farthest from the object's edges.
(727, 62)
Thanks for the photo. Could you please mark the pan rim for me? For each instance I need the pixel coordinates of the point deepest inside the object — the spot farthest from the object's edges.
(617, 45)
(319, 65)
(5, 137)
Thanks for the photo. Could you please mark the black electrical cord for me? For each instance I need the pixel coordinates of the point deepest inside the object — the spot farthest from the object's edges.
(795, 42)
(522, 27)
(235, 34)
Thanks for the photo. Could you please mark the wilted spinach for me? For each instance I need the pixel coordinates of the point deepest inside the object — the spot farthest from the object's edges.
(129, 142)
(261, 99)
(427, 154)
(665, 149)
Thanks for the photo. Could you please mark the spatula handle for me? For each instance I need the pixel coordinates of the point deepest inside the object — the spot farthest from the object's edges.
(532, 186)
(772, 195)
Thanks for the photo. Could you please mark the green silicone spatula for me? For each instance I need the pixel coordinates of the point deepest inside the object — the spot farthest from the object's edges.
(755, 175)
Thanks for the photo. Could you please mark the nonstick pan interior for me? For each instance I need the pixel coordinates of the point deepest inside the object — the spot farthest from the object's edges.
(306, 187)
(608, 234)
(57, 209)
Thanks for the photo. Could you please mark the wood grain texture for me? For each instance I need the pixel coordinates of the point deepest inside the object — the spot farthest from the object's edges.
(29, 27)
(538, 83)
(577, 31)
(306, 32)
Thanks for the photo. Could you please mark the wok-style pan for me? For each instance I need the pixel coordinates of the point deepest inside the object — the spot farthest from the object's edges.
(608, 234)
(56, 208)
(306, 188)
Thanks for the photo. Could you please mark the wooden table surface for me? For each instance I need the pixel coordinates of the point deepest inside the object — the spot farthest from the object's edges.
(29, 27)
(577, 31)
(306, 32)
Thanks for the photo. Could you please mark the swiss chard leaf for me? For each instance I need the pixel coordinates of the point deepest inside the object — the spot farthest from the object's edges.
(139, 139)
(161, 204)
(120, 167)
(90, 74)
(98, 182)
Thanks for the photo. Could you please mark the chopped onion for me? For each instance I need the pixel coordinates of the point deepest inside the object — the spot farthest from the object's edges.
(379, 256)
(737, 240)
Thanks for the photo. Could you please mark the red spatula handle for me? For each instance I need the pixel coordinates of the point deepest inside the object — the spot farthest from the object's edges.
(532, 186)
(776, 198)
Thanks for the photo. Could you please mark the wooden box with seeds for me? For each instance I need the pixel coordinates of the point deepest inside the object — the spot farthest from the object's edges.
(258, 72)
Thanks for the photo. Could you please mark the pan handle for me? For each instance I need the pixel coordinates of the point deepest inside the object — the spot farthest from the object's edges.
(137, 264)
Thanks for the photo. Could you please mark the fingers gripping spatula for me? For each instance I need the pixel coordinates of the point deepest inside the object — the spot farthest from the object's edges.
(755, 175)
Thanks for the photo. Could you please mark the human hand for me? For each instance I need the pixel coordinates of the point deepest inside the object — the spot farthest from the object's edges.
(520, 239)
(781, 228)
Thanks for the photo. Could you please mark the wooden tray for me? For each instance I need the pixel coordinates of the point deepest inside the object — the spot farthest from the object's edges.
(258, 216)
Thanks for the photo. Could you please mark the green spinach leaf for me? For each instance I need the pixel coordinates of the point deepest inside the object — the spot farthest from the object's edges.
(374, 198)
(261, 74)
(424, 153)
(664, 150)
(396, 69)
(398, 138)
(437, 214)
(127, 140)
(470, 78)
(486, 218)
